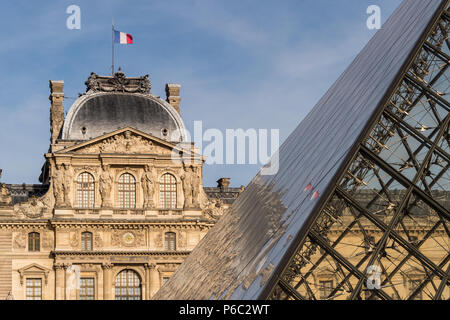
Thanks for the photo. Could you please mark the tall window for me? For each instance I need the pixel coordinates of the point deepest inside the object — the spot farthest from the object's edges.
(86, 241)
(170, 241)
(34, 289)
(34, 241)
(168, 191)
(128, 285)
(326, 287)
(87, 289)
(85, 190)
(127, 191)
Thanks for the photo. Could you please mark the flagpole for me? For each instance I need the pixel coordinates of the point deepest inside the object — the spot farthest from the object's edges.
(112, 47)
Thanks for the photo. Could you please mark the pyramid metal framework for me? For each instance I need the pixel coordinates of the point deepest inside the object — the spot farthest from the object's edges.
(376, 148)
(393, 196)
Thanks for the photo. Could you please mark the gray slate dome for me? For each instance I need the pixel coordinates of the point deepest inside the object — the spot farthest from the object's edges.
(95, 114)
(115, 102)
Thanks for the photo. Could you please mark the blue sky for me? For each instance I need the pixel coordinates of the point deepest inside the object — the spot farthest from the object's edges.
(241, 64)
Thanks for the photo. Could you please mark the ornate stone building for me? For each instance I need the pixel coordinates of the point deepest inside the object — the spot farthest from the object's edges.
(121, 202)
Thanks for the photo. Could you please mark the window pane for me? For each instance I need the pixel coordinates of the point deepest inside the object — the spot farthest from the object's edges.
(33, 241)
(128, 285)
(34, 289)
(127, 191)
(168, 191)
(87, 289)
(85, 190)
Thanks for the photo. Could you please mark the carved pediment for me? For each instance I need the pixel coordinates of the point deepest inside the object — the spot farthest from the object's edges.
(124, 141)
(33, 270)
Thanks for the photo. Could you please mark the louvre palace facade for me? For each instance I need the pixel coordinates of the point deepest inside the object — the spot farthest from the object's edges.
(121, 202)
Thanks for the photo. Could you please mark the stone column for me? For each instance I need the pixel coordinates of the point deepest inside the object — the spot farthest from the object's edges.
(60, 281)
(147, 281)
(107, 281)
(153, 280)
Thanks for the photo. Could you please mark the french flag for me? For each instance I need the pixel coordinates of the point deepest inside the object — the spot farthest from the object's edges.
(122, 37)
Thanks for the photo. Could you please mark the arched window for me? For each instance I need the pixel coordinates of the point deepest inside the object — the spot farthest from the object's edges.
(85, 190)
(128, 285)
(170, 241)
(168, 191)
(34, 241)
(127, 191)
(86, 241)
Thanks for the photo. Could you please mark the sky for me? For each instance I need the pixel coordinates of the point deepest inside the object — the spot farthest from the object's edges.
(241, 63)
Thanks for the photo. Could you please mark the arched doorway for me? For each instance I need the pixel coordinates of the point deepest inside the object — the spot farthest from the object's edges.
(128, 285)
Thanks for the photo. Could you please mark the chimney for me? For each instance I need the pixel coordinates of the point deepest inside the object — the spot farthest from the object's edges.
(56, 108)
(223, 183)
(173, 95)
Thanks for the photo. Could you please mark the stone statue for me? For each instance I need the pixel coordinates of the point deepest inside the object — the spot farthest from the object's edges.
(5, 195)
(196, 181)
(106, 181)
(187, 189)
(148, 187)
(67, 185)
(57, 184)
(191, 183)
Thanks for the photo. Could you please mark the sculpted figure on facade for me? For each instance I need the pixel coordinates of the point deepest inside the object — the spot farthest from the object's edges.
(148, 187)
(215, 208)
(191, 183)
(67, 184)
(106, 183)
(196, 181)
(57, 184)
(5, 195)
(187, 189)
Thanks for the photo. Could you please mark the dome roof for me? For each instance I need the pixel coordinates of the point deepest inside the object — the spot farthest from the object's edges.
(95, 114)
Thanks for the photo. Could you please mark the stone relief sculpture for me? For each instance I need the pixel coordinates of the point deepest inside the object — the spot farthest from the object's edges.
(98, 241)
(115, 239)
(127, 238)
(158, 238)
(106, 182)
(20, 241)
(215, 208)
(148, 187)
(182, 241)
(75, 240)
(33, 208)
(47, 241)
(122, 143)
